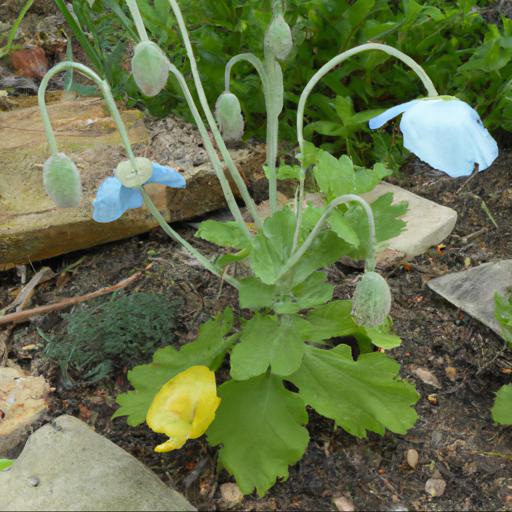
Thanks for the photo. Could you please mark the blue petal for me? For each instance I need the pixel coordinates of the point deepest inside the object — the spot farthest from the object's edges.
(167, 176)
(449, 136)
(113, 199)
(389, 114)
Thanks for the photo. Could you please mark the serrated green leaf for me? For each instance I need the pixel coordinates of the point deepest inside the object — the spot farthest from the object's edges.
(360, 396)
(208, 349)
(313, 291)
(502, 409)
(272, 245)
(388, 223)
(254, 294)
(334, 177)
(260, 426)
(223, 234)
(272, 342)
(368, 179)
(503, 311)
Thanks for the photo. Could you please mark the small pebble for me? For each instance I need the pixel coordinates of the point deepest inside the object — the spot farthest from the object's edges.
(344, 504)
(231, 494)
(33, 481)
(451, 373)
(435, 487)
(413, 458)
(427, 377)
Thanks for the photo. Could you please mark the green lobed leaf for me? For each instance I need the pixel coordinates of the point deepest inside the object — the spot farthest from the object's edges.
(223, 234)
(272, 245)
(208, 349)
(260, 426)
(360, 396)
(266, 341)
(502, 409)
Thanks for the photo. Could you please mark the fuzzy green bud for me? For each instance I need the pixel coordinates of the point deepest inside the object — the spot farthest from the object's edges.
(229, 116)
(150, 68)
(278, 38)
(132, 178)
(62, 182)
(372, 300)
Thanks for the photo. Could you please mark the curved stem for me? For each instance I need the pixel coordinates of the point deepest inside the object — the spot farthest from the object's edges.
(326, 68)
(137, 18)
(178, 238)
(217, 165)
(251, 59)
(371, 258)
(105, 89)
(237, 178)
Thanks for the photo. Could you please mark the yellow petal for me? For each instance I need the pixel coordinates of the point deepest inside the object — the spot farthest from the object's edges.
(184, 407)
(170, 445)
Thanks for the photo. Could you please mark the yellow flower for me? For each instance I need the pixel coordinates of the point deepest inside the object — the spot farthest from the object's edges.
(184, 407)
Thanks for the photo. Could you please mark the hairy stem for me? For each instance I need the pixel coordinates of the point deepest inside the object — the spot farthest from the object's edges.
(427, 82)
(237, 178)
(137, 18)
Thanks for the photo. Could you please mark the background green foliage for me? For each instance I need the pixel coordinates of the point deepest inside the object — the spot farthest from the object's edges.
(463, 53)
(111, 335)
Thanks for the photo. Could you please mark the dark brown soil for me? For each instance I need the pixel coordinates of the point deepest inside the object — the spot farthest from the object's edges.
(454, 434)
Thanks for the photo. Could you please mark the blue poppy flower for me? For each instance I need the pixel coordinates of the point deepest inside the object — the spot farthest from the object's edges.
(113, 198)
(445, 133)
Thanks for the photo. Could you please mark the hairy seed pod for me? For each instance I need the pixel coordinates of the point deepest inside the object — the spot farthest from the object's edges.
(125, 173)
(372, 300)
(62, 181)
(278, 38)
(229, 116)
(150, 68)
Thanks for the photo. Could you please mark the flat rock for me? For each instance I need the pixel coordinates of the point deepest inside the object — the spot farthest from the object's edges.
(473, 290)
(32, 228)
(67, 466)
(23, 400)
(428, 224)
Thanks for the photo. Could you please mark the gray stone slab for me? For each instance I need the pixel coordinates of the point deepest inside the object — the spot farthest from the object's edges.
(67, 466)
(473, 290)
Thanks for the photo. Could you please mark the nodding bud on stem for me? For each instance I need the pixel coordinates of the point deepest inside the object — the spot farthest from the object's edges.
(229, 116)
(62, 182)
(372, 300)
(278, 39)
(150, 68)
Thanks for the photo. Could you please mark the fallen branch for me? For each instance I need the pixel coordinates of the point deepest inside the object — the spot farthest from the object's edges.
(22, 316)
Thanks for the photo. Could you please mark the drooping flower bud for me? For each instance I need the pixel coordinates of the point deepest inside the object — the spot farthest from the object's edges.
(229, 116)
(62, 181)
(132, 178)
(278, 38)
(372, 300)
(150, 68)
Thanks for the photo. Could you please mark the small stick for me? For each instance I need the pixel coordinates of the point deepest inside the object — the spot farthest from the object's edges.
(22, 316)
(466, 182)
